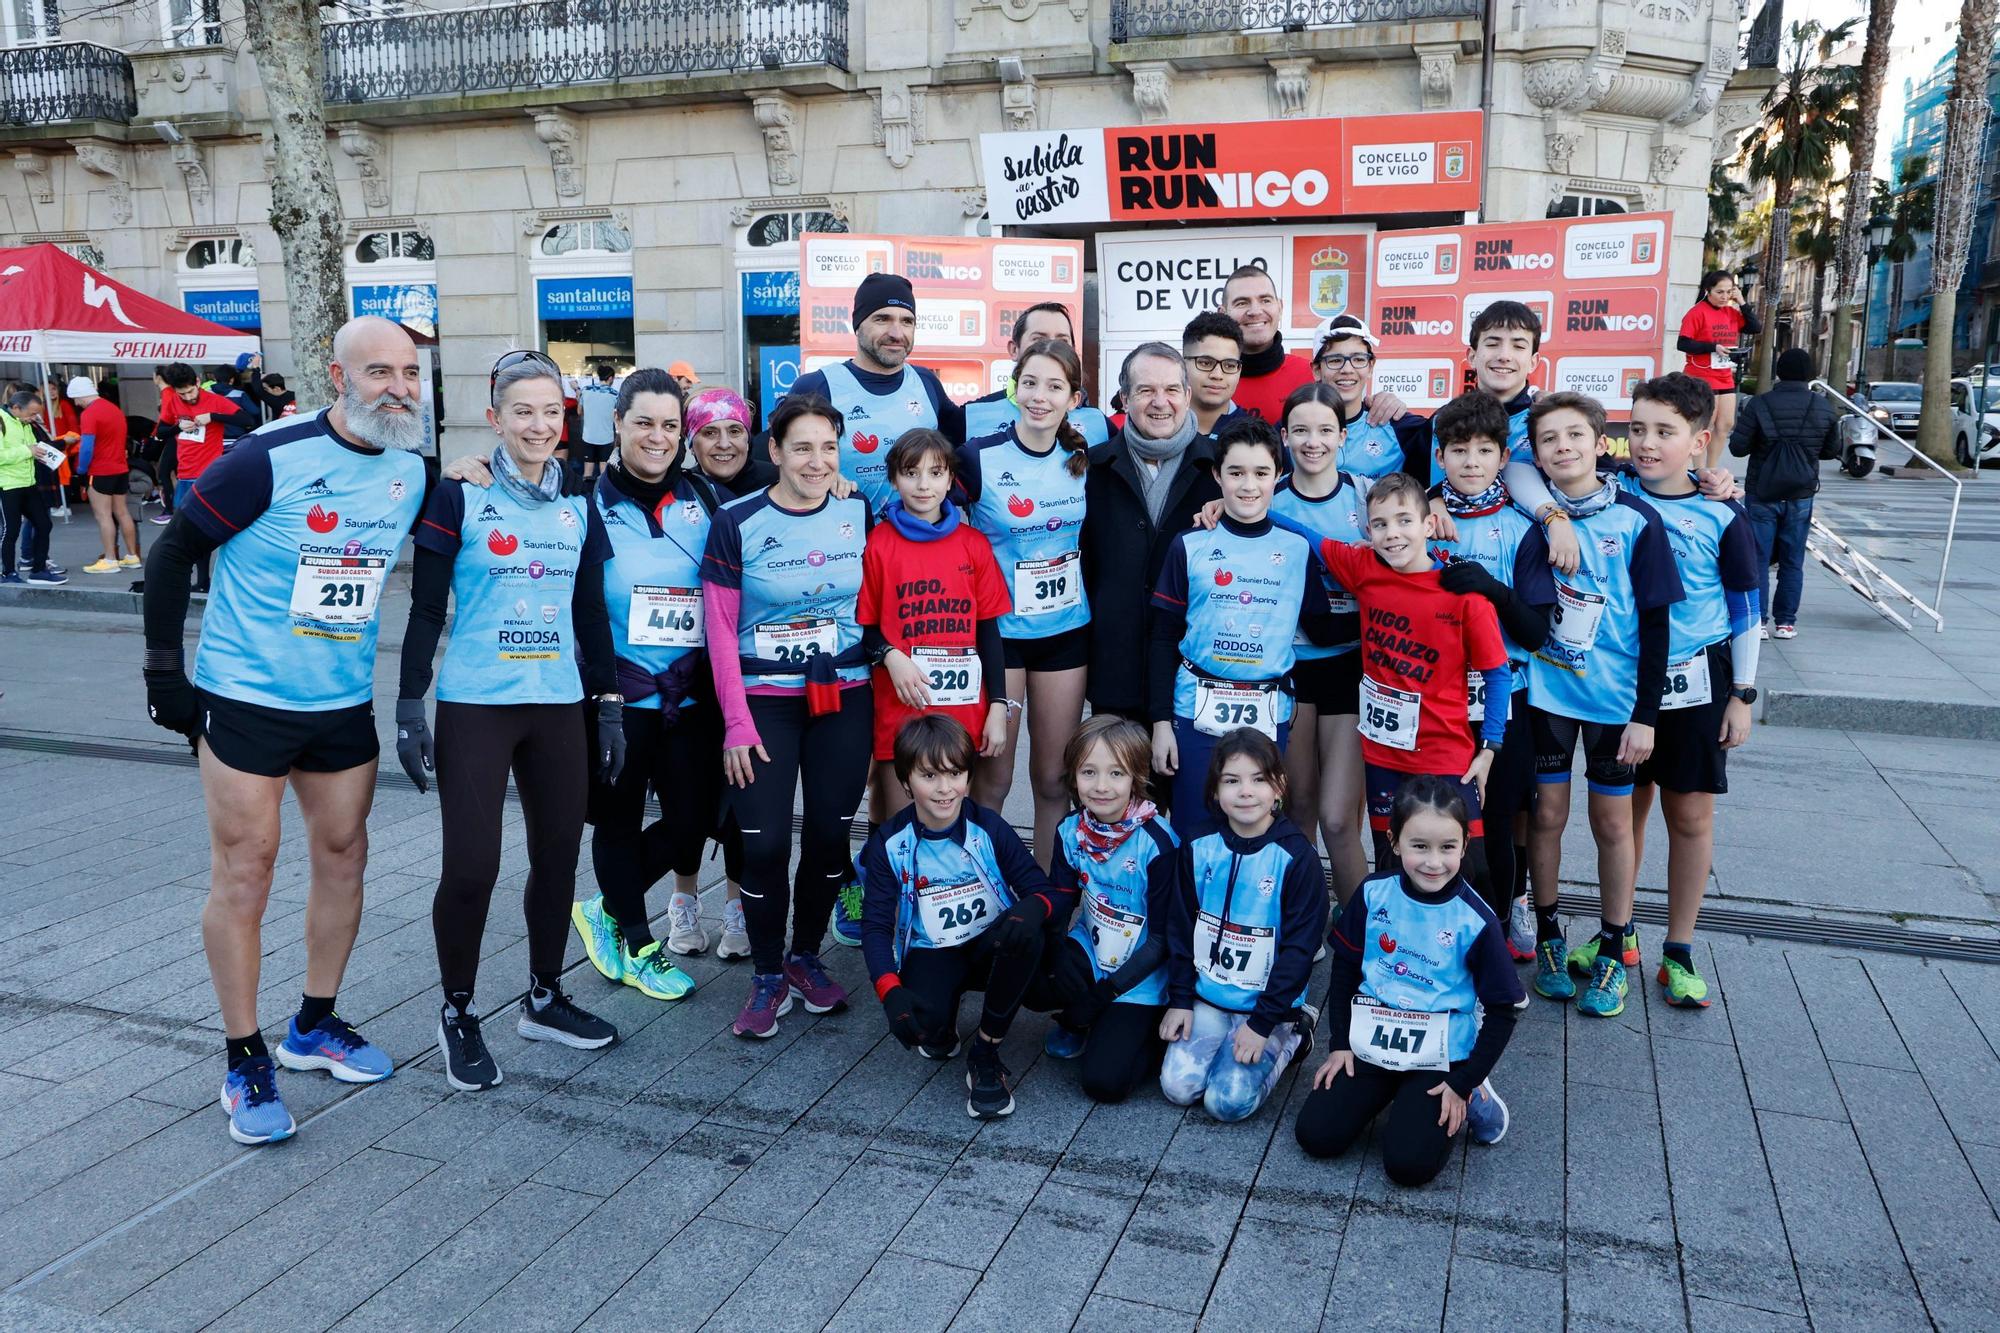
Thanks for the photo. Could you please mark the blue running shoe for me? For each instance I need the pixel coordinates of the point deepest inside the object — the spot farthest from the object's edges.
(257, 1113)
(1605, 996)
(1486, 1115)
(1062, 1044)
(1552, 970)
(846, 927)
(337, 1048)
(602, 943)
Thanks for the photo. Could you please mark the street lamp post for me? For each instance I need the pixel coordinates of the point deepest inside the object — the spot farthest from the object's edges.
(1746, 282)
(1880, 227)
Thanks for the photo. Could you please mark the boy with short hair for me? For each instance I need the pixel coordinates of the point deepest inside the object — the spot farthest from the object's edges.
(1712, 650)
(1212, 342)
(1344, 361)
(1597, 679)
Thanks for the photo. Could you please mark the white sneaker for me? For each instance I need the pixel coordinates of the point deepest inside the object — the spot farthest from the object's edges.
(1764, 629)
(735, 941)
(684, 934)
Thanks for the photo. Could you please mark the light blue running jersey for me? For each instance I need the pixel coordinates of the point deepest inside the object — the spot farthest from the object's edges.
(990, 416)
(1493, 538)
(800, 575)
(1239, 913)
(1031, 509)
(1370, 451)
(652, 583)
(513, 583)
(1519, 447)
(951, 892)
(874, 422)
(1588, 669)
(1244, 595)
(310, 526)
(1112, 921)
(1340, 516)
(1423, 966)
(597, 404)
(1714, 551)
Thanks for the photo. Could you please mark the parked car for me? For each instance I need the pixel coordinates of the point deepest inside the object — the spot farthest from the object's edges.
(1898, 406)
(1965, 397)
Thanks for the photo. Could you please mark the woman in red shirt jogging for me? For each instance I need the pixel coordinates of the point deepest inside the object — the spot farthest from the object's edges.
(1716, 325)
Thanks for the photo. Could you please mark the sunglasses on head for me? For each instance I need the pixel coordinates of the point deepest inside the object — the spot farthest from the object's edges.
(527, 355)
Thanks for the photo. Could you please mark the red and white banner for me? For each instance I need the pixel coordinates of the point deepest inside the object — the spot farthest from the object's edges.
(1359, 165)
(53, 307)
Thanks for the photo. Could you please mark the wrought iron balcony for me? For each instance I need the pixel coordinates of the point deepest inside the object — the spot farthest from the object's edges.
(546, 45)
(64, 82)
(1138, 20)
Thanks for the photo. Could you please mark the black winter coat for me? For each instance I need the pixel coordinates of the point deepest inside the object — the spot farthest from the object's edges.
(1785, 433)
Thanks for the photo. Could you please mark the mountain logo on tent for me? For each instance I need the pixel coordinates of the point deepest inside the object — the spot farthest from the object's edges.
(96, 296)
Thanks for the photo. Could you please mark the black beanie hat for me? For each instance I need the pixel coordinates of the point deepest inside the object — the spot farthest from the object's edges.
(1795, 363)
(878, 290)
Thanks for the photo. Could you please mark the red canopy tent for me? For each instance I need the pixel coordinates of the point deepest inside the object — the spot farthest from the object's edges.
(56, 308)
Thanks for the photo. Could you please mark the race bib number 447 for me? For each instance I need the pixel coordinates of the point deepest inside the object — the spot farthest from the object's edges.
(1399, 1038)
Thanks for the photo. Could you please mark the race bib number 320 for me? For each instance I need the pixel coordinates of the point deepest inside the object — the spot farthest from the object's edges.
(950, 674)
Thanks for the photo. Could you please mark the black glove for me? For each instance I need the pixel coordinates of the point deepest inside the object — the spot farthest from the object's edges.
(1469, 576)
(413, 743)
(1083, 1013)
(1019, 928)
(171, 700)
(902, 1019)
(610, 740)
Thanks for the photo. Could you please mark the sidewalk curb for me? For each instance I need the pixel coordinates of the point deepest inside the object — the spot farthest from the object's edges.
(67, 597)
(1829, 710)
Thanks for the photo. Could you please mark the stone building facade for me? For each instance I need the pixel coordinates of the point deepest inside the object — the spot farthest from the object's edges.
(600, 175)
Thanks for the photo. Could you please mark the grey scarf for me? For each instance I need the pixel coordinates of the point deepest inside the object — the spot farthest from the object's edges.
(507, 475)
(1167, 453)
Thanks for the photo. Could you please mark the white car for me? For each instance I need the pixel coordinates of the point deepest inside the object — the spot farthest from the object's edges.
(1965, 396)
(1898, 405)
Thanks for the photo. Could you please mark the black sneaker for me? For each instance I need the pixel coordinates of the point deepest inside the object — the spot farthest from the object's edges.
(988, 1096)
(942, 1054)
(1308, 1023)
(557, 1018)
(468, 1065)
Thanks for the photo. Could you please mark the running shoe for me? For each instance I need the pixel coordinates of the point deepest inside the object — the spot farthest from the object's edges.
(684, 934)
(468, 1065)
(130, 562)
(652, 972)
(987, 1094)
(1604, 997)
(1764, 630)
(257, 1113)
(1785, 632)
(1486, 1115)
(1306, 1028)
(846, 927)
(51, 576)
(102, 566)
(820, 993)
(334, 1045)
(556, 1017)
(1521, 929)
(1551, 975)
(1684, 986)
(161, 519)
(601, 940)
(942, 1053)
(770, 1000)
(735, 941)
(1583, 959)
(14, 579)
(1062, 1044)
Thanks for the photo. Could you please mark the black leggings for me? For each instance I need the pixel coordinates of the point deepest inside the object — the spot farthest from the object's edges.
(1510, 790)
(938, 979)
(1123, 1047)
(477, 744)
(1414, 1145)
(827, 757)
(682, 764)
(29, 506)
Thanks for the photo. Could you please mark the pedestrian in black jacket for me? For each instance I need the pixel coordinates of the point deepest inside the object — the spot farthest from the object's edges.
(1785, 434)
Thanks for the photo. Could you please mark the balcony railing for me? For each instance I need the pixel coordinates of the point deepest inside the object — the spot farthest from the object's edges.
(1137, 20)
(550, 44)
(65, 82)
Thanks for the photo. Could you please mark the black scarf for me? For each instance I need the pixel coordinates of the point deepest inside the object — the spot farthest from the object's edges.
(1266, 361)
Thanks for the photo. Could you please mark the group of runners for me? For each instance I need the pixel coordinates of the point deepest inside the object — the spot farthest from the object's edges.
(1256, 609)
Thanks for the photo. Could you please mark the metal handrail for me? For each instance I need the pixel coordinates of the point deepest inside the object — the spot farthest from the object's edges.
(1936, 612)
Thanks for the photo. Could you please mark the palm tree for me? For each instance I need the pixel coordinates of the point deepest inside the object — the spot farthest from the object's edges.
(1809, 110)
(1725, 206)
(1815, 238)
(1860, 159)
(1911, 207)
(1966, 111)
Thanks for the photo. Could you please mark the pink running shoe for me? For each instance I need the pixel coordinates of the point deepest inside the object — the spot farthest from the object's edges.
(820, 993)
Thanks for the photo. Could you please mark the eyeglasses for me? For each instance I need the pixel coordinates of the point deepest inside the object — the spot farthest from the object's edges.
(1342, 360)
(520, 356)
(1208, 365)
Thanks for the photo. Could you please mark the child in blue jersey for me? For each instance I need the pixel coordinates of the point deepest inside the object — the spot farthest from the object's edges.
(953, 903)
(1323, 756)
(1107, 982)
(1595, 680)
(1711, 659)
(1249, 913)
(1498, 553)
(1229, 603)
(1024, 490)
(1422, 1001)
(1344, 360)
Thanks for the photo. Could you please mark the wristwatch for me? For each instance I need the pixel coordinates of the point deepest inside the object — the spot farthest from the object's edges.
(1494, 746)
(1747, 693)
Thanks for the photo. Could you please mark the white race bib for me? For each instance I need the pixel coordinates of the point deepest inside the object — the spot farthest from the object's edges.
(1112, 933)
(1221, 707)
(1389, 716)
(1577, 616)
(48, 456)
(1720, 360)
(662, 617)
(1475, 697)
(1234, 955)
(1399, 1039)
(951, 674)
(338, 589)
(955, 913)
(1043, 587)
(192, 430)
(794, 640)
(1688, 684)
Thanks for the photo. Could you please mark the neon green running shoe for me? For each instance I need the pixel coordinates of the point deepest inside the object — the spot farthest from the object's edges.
(600, 937)
(1683, 985)
(1605, 996)
(846, 924)
(652, 972)
(1551, 976)
(1583, 959)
